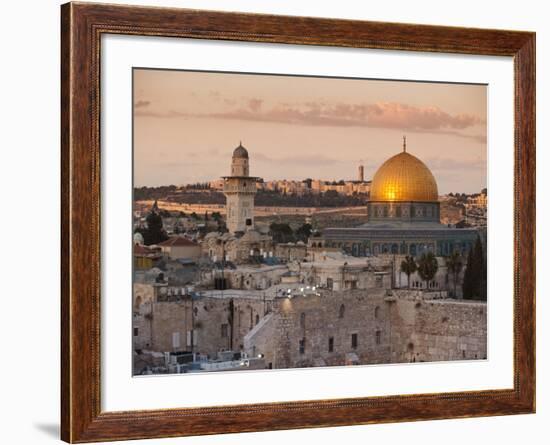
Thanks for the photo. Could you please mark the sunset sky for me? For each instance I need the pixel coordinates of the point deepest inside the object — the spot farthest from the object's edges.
(186, 125)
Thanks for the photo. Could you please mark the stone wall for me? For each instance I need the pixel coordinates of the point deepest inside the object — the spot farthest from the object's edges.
(142, 293)
(258, 342)
(166, 326)
(299, 333)
(388, 329)
(369, 326)
(438, 330)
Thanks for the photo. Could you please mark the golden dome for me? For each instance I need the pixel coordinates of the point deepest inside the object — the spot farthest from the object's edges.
(403, 177)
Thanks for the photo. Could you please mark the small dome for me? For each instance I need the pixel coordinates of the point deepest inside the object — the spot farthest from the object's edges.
(138, 239)
(240, 152)
(404, 177)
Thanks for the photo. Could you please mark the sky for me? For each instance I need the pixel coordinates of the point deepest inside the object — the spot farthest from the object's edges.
(187, 123)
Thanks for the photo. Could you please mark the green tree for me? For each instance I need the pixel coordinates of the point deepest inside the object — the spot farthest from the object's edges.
(469, 277)
(154, 233)
(427, 267)
(281, 232)
(222, 227)
(474, 284)
(454, 267)
(408, 266)
(304, 232)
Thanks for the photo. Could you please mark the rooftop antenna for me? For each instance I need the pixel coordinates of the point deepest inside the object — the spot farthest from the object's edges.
(404, 144)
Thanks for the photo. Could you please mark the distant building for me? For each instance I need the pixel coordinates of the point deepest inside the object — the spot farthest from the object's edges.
(145, 257)
(479, 200)
(216, 184)
(247, 247)
(177, 247)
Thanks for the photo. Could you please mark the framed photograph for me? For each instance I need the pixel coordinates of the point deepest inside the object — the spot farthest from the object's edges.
(275, 222)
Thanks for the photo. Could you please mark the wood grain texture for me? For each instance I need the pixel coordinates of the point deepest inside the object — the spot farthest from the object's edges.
(81, 28)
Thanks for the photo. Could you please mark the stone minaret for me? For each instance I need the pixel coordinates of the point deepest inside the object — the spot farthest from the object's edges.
(239, 190)
(361, 173)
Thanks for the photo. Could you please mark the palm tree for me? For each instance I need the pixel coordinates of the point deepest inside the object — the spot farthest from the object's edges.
(454, 266)
(408, 266)
(427, 267)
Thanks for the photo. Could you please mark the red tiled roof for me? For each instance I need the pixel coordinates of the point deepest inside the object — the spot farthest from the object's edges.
(145, 251)
(177, 241)
(141, 250)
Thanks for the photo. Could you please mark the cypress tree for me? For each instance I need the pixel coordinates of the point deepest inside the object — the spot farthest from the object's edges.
(155, 232)
(454, 267)
(481, 290)
(467, 281)
(474, 286)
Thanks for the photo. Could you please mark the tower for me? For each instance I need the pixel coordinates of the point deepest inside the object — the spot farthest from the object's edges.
(239, 190)
(361, 177)
(155, 208)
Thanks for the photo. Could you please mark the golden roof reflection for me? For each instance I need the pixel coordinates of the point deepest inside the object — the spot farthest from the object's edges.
(403, 177)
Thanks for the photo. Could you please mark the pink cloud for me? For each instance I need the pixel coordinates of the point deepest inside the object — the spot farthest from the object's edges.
(255, 104)
(379, 115)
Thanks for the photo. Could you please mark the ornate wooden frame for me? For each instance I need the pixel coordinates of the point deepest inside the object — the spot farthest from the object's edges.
(81, 28)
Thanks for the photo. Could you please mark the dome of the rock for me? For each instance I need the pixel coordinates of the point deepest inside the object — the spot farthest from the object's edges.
(404, 178)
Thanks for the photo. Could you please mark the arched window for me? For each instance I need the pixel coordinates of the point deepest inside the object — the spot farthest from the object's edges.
(342, 311)
(376, 311)
(303, 320)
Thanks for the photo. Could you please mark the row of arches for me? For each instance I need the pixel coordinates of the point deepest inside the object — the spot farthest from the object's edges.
(417, 248)
(430, 211)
